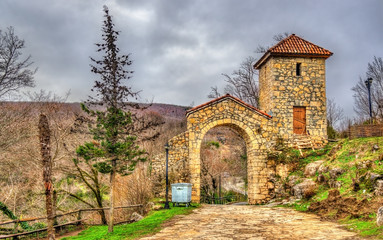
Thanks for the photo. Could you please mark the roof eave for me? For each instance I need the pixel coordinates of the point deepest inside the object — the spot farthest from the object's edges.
(222, 98)
(267, 55)
(262, 60)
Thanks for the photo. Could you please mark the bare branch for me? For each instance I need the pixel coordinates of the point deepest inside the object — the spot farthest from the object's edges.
(361, 102)
(334, 113)
(242, 83)
(14, 72)
(214, 93)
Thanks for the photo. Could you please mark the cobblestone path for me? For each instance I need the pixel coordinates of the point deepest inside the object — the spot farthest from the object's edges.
(251, 222)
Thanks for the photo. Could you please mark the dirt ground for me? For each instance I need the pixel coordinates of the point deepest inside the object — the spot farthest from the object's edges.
(69, 234)
(337, 207)
(251, 222)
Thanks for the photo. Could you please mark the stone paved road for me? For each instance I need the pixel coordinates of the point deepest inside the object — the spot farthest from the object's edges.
(251, 222)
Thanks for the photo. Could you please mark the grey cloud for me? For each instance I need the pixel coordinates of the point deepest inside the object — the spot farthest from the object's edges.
(180, 48)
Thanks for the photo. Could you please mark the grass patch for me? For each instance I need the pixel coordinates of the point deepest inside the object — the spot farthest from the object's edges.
(361, 147)
(321, 194)
(149, 225)
(366, 228)
(301, 206)
(346, 181)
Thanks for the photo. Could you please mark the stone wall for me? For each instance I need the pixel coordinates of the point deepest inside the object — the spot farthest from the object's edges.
(281, 89)
(178, 166)
(178, 156)
(266, 84)
(254, 127)
(179, 151)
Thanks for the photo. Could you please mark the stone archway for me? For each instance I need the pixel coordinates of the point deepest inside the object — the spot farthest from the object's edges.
(253, 125)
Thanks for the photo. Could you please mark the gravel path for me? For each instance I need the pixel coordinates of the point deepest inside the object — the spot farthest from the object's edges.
(251, 222)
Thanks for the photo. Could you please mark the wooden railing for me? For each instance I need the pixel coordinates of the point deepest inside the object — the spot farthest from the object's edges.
(370, 130)
(222, 200)
(78, 215)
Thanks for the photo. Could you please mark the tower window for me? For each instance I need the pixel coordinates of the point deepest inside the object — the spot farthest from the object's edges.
(298, 69)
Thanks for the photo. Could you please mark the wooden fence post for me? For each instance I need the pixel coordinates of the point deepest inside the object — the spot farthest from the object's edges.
(79, 217)
(142, 209)
(55, 222)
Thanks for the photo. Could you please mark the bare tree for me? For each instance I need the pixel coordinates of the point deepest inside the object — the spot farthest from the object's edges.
(18, 144)
(214, 93)
(212, 166)
(14, 71)
(277, 38)
(243, 83)
(334, 113)
(90, 176)
(361, 102)
(217, 160)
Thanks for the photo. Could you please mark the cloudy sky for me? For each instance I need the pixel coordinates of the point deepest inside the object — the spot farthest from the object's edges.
(180, 48)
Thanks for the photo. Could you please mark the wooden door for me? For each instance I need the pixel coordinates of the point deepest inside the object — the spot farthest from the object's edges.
(299, 120)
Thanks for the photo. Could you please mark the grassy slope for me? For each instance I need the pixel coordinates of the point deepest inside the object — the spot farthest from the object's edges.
(350, 155)
(149, 225)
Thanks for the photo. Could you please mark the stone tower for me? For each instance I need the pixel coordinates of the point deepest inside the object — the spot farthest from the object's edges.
(292, 86)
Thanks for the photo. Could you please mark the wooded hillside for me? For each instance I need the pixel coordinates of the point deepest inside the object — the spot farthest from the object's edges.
(21, 184)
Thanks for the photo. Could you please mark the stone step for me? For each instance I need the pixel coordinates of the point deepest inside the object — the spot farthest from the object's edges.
(304, 144)
(302, 139)
(305, 147)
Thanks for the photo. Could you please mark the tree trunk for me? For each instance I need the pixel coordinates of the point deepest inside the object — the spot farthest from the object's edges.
(44, 135)
(98, 196)
(103, 217)
(111, 210)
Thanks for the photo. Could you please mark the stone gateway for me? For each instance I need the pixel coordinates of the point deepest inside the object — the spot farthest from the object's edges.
(292, 87)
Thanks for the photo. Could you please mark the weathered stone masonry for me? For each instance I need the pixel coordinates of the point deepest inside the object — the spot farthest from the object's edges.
(281, 90)
(178, 161)
(291, 76)
(254, 127)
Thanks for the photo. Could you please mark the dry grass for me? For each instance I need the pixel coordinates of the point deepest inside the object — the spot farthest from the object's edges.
(21, 187)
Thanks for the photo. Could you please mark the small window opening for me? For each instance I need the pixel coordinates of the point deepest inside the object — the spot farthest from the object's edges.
(298, 69)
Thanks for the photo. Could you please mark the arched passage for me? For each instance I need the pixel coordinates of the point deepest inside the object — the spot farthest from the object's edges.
(250, 123)
(223, 163)
(254, 126)
(246, 138)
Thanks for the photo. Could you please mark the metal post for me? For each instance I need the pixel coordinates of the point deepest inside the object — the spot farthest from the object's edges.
(167, 178)
(368, 83)
(219, 186)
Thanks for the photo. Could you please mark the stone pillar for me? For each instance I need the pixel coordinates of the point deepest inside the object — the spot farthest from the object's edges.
(195, 166)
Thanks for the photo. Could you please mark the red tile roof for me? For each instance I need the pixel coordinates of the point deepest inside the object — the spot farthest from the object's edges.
(294, 46)
(223, 98)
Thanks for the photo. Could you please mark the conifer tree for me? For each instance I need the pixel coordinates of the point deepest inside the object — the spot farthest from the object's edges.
(114, 147)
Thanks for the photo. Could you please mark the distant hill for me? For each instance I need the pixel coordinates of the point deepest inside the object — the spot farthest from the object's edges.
(169, 110)
(165, 110)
